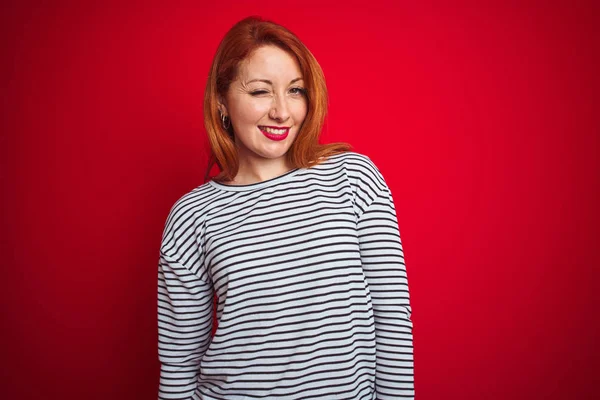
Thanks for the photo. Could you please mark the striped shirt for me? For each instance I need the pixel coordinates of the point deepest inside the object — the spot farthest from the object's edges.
(309, 273)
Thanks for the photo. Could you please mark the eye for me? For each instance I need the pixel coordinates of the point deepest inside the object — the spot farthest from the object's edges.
(258, 92)
(298, 91)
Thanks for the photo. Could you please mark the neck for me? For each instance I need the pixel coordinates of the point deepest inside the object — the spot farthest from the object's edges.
(257, 169)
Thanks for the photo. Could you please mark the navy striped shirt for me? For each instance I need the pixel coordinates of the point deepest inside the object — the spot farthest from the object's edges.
(309, 273)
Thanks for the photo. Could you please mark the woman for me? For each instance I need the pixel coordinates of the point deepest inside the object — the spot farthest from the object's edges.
(298, 241)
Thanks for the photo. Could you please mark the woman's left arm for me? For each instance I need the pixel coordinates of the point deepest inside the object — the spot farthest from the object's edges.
(383, 264)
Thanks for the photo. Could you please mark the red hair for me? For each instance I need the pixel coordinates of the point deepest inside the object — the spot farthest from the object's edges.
(238, 44)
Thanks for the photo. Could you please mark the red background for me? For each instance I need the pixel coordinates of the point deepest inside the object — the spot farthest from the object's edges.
(482, 117)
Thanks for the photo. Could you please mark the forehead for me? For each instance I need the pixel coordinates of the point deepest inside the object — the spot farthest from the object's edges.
(269, 62)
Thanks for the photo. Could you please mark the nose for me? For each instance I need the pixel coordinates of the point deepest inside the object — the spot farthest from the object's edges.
(279, 110)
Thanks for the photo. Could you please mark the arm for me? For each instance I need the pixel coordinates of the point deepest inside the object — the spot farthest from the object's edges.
(184, 327)
(383, 264)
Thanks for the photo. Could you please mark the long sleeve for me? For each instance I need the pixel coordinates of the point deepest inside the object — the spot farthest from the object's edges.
(184, 327)
(383, 264)
(185, 300)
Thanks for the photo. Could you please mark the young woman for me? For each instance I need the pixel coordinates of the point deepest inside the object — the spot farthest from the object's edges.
(298, 241)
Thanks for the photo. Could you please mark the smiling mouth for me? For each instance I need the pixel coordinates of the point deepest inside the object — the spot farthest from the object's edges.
(274, 130)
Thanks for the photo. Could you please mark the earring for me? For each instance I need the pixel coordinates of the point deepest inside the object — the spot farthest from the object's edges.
(223, 123)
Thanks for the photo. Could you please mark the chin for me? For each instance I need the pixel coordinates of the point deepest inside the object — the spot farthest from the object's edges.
(274, 154)
(275, 151)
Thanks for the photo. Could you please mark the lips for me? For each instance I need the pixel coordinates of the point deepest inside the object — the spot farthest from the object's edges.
(274, 132)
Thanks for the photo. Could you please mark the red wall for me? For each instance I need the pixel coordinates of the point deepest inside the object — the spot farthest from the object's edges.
(483, 118)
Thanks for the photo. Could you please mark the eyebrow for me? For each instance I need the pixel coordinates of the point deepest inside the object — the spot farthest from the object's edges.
(271, 83)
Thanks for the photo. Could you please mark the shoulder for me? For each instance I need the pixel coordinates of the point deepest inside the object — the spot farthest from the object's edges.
(191, 202)
(365, 179)
(361, 169)
(189, 212)
(183, 235)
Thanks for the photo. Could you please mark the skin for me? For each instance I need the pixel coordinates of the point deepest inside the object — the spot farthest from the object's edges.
(250, 102)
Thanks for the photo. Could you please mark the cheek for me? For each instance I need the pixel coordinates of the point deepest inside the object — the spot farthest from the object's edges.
(300, 111)
(248, 111)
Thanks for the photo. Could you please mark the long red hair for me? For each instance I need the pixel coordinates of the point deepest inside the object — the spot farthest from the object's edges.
(240, 41)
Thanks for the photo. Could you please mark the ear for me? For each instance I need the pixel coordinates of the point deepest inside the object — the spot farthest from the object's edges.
(222, 106)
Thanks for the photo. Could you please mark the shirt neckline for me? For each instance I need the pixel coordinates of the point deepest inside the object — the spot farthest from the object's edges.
(258, 185)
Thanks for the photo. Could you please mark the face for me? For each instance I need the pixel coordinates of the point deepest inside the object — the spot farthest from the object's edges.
(266, 104)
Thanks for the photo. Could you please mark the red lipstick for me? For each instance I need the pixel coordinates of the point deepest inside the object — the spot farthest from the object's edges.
(273, 136)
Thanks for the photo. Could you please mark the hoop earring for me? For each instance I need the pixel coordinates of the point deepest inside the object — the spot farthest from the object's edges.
(223, 119)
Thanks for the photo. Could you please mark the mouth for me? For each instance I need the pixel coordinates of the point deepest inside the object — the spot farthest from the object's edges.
(275, 132)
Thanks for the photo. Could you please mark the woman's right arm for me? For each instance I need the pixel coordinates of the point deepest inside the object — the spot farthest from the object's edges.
(185, 299)
(184, 327)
